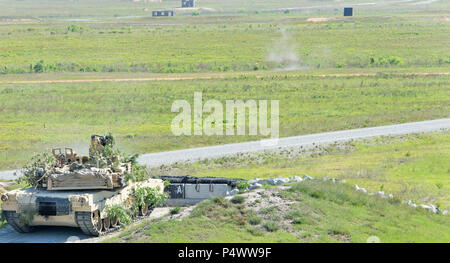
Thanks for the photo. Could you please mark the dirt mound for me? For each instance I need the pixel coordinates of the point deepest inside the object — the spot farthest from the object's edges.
(442, 18)
(18, 19)
(321, 19)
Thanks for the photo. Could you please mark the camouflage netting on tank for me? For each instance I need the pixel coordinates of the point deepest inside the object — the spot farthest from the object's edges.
(83, 178)
(105, 168)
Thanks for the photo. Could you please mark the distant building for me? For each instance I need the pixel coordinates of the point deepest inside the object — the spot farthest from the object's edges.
(348, 11)
(187, 3)
(163, 13)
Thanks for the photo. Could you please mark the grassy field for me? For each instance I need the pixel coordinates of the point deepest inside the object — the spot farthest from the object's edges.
(36, 116)
(390, 63)
(101, 9)
(209, 44)
(413, 167)
(244, 44)
(317, 212)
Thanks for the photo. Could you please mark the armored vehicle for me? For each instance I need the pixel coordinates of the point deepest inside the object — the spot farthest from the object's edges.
(102, 169)
(25, 209)
(77, 191)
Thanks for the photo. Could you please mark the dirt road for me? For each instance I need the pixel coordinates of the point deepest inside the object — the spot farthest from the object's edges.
(204, 76)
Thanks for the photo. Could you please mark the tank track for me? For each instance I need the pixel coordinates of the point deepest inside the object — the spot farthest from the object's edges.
(13, 219)
(85, 223)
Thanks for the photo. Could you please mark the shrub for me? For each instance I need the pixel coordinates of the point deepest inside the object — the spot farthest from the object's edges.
(148, 196)
(31, 171)
(195, 13)
(298, 221)
(138, 173)
(255, 231)
(271, 226)
(238, 199)
(242, 185)
(74, 28)
(175, 210)
(121, 213)
(39, 67)
(385, 61)
(254, 220)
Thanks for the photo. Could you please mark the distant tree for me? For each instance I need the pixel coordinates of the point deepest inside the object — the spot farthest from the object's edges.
(39, 67)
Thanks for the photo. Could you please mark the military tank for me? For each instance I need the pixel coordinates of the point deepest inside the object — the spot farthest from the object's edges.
(76, 191)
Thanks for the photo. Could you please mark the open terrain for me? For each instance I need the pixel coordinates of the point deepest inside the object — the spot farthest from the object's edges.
(411, 167)
(304, 212)
(225, 44)
(37, 116)
(76, 70)
(69, 69)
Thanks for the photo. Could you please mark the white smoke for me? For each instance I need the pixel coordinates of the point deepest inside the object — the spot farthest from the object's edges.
(283, 53)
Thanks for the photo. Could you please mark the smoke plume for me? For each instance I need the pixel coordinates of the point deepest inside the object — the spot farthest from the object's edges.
(283, 53)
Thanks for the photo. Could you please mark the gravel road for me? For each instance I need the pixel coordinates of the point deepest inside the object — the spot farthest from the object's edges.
(57, 234)
(160, 158)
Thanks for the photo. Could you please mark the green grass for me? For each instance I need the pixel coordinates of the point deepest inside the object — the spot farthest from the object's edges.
(335, 213)
(175, 210)
(413, 40)
(413, 167)
(101, 10)
(37, 116)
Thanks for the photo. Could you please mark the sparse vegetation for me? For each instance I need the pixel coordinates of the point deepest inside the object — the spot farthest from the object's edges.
(26, 216)
(271, 226)
(119, 212)
(238, 199)
(254, 220)
(71, 45)
(328, 103)
(148, 196)
(333, 217)
(175, 210)
(384, 65)
(378, 164)
(36, 167)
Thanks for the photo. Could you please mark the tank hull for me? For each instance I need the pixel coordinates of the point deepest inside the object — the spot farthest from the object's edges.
(61, 208)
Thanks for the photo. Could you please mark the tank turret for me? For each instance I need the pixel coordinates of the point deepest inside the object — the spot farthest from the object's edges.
(102, 169)
(89, 192)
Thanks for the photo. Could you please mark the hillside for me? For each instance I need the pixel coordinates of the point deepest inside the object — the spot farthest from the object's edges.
(310, 211)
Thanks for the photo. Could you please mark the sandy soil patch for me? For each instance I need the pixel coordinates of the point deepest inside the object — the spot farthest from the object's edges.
(442, 18)
(321, 19)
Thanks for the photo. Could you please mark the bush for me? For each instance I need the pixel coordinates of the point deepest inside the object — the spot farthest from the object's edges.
(138, 173)
(121, 213)
(148, 196)
(238, 199)
(175, 210)
(31, 173)
(271, 226)
(255, 231)
(39, 67)
(385, 61)
(254, 220)
(74, 28)
(242, 185)
(298, 221)
(195, 13)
